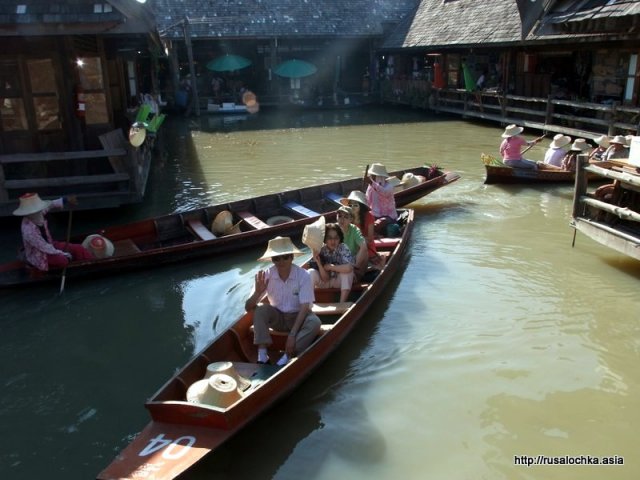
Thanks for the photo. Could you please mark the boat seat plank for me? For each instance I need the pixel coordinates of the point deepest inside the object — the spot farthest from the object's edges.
(386, 242)
(252, 220)
(199, 230)
(300, 209)
(334, 197)
(125, 247)
(331, 308)
(34, 183)
(49, 156)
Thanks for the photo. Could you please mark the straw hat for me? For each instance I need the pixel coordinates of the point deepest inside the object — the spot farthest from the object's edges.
(356, 196)
(619, 139)
(219, 390)
(512, 131)
(602, 140)
(228, 369)
(560, 141)
(313, 234)
(395, 182)
(223, 224)
(278, 219)
(30, 203)
(100, 246)
(410, 180)
(280, 246)
(579, 145)
(629, 139)
(137, 134)
(378, 170)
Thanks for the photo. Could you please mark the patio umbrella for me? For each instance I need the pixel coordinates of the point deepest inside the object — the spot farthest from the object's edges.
(228, 63)
(295, 69)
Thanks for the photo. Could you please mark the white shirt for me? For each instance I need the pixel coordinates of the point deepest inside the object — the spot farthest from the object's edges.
(554, 156)
(288, 295)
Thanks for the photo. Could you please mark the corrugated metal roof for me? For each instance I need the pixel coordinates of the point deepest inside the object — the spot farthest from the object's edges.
(592, 16)
(281, 18)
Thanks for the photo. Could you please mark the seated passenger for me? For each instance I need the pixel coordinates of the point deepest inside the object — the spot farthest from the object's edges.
(334, 263)
(598, 153)
(579, 147)
(511, 148)
(354, 239)
(556, 151)
(616, 148)
(363, 219)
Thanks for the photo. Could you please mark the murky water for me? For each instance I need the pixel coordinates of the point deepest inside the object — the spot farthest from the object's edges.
(498, 339)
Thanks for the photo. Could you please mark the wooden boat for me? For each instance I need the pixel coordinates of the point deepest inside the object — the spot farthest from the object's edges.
(180, 432)
(498, 172)
(610, 214)
(180, 236)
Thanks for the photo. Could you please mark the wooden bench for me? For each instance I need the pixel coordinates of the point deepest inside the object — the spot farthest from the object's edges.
(334, 197)
(279, 339)
(386, 242)
(199, 230)
(125, 247)
(36, 183)
(300, 209)
(337, 308)
(50, 156)
(252, 220)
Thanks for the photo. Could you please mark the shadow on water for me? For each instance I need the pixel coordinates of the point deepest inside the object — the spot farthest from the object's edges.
(321, 406)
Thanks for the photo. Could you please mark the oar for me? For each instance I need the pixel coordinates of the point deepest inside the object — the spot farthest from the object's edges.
(64, 270)
(535, 142)
(364, 178)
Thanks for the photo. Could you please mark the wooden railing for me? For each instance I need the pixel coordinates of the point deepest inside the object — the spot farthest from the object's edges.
(570, 117)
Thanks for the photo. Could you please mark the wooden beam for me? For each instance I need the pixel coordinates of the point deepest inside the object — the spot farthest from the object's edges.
(51, 156)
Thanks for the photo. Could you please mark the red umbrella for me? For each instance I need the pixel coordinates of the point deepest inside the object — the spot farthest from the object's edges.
(438, 79)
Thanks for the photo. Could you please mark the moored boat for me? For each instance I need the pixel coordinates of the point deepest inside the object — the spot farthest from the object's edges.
(180, 236)
(182, 432)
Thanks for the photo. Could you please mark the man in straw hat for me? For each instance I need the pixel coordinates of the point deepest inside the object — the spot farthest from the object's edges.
(511, 148)
(602, 143)
(289, 290)
(380, 197)
(40, 250)
(556, 151)
(616, 148)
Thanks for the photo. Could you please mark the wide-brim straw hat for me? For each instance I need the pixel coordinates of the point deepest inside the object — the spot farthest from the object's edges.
(100, 246)
(579, 145)
(313, 234)
(137, 134)
(355, 196)
(223, 224)
(560, 141)
(618, 139)
(394, 182)
(278, 219)
(512, 131)
(377, 169)
(30, 203)
(219, 390)
(602, 140)
(629, 139)
(410, 180)
(280, 246)
(228, 369)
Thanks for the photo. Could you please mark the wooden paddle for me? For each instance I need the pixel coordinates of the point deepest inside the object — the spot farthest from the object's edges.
(535, 142)
(364, 178)
(64, 270)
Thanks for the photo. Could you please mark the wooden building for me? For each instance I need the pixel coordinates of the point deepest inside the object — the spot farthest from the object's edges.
(553, 65)
(70, 73)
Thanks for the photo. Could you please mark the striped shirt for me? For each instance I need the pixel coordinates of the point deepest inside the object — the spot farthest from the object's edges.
(287, 296)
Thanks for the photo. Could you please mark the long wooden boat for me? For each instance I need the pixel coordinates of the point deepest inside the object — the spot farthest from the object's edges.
(181, 432)
(180, 236)
(610, 215)
(498, 172)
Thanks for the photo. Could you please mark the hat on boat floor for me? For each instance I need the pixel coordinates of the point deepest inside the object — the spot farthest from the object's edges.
(280, 246)
(356, 196)
(377, 169)
(618, 139)
(30, 203)
(219, 390)
(223, 224)
(278, 219)
(410, 180)
(395, 182)
(579, 145)
(228, 369)
(512, 130)
(602, 140)
(137, 134)
(313, 234)
(100, 246)
(560, 141)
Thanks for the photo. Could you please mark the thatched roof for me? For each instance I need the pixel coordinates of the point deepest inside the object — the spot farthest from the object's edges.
(238, 19)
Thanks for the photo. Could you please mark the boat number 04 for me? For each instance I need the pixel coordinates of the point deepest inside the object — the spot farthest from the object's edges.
(174, 449)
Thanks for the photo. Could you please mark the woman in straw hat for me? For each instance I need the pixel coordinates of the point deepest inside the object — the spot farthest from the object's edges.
(556, 151)
(598, 153)
(380, 197)
(334, 263)
(579, 147)
(289, 290)
(511, 148)
(40, 250)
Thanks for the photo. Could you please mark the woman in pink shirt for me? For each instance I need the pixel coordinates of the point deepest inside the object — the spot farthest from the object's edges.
(511, 148)
(380, 197)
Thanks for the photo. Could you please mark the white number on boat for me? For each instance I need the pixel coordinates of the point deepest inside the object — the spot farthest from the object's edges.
(158, 443)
